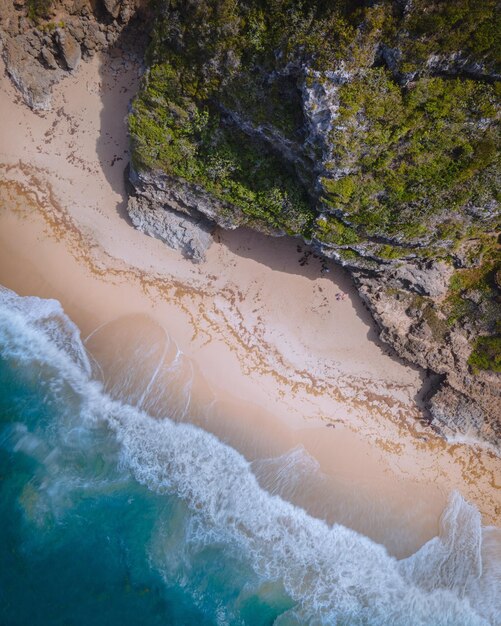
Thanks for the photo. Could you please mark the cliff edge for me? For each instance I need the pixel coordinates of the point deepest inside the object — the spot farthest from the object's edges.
(368, 130)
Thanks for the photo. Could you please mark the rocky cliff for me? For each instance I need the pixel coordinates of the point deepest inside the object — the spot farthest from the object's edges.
(43, 40)
(369, 130)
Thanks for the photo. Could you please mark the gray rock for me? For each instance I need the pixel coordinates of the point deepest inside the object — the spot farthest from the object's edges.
(455, 413)
(429, 278)
(76, 29)
(192, 236)
(33, 43)
(69, 47)
(78, 7)
(163, 190)
(320, 95)
(31, 60)
(33, 82)
(113, 7)
(459, 63)
(126, 11)
(463, 403)
(94, 37)
(49, 58)
(392, 58)
(422, 331)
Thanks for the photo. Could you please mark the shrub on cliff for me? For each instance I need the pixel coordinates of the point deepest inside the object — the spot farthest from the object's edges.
(38, 9)
(417, 156)
(408, 165)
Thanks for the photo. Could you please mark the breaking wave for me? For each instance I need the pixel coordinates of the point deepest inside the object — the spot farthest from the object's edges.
(322, 574)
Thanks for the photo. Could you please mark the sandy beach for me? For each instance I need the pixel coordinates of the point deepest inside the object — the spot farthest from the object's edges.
(267, 357)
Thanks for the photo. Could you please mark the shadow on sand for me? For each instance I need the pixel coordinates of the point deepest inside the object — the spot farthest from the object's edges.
(121, 67)
(120, 72)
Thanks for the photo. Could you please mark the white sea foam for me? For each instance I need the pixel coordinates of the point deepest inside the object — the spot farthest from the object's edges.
(48, 317)
(285, 475)
(335, 575)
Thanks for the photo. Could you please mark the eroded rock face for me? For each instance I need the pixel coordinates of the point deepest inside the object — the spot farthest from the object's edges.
(39, 53)
(414, 326)
(158, 190)
(173, 212)
(113, 7)
(49, 58)
(180, 231)
(427, 278)
(69, 48)
(321, 104)
(26, 73)
(470, 417)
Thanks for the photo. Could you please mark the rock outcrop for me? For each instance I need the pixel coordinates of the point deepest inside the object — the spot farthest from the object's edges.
(69, 48)
(27, 74)
(462, 403)
(39, 49)
(167, 211)
(391, 131)
(191, 235)
(161, 190)
(329, 138)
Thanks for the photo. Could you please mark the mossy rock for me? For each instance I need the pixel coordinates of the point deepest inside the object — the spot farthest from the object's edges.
(486, 354)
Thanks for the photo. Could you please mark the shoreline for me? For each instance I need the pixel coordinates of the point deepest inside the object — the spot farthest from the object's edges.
(286, 347)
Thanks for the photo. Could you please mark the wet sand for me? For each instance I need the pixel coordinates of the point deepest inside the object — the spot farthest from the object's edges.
(267, 358)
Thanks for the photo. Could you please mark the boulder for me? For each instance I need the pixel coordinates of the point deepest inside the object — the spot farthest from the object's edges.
(69, 47)
(94, 38)
(25, 71)
(113, 7)
(77, 6)
(191, 235)
(161, 190)
(49, 58)
(456, 413)
(76, 29)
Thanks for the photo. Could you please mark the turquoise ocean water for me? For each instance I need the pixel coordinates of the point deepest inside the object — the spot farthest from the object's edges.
(112, 517)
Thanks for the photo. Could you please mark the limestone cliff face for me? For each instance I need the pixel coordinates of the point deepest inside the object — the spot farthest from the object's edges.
(161, 190)
(42, 41)
(370, 134)
(181, 215)
(462, 402)
(390, 129)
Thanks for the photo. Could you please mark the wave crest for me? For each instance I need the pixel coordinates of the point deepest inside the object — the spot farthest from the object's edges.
(333, 574)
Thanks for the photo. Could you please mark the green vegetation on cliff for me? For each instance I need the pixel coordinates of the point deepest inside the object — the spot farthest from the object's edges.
(486, 354)
(38, 9)
(370, 128)
(186, 139)
(417, 157)
(474, 301)
(449, 26)
(213, 55)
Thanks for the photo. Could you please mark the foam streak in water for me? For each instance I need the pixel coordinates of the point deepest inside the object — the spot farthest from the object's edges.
(335, 575)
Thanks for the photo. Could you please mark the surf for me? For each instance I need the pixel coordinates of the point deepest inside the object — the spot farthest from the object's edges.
(317, 573)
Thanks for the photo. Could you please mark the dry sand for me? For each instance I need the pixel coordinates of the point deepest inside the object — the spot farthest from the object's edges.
(268, 359)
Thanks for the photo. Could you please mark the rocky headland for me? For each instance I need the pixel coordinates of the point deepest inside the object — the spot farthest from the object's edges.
(371, 133)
